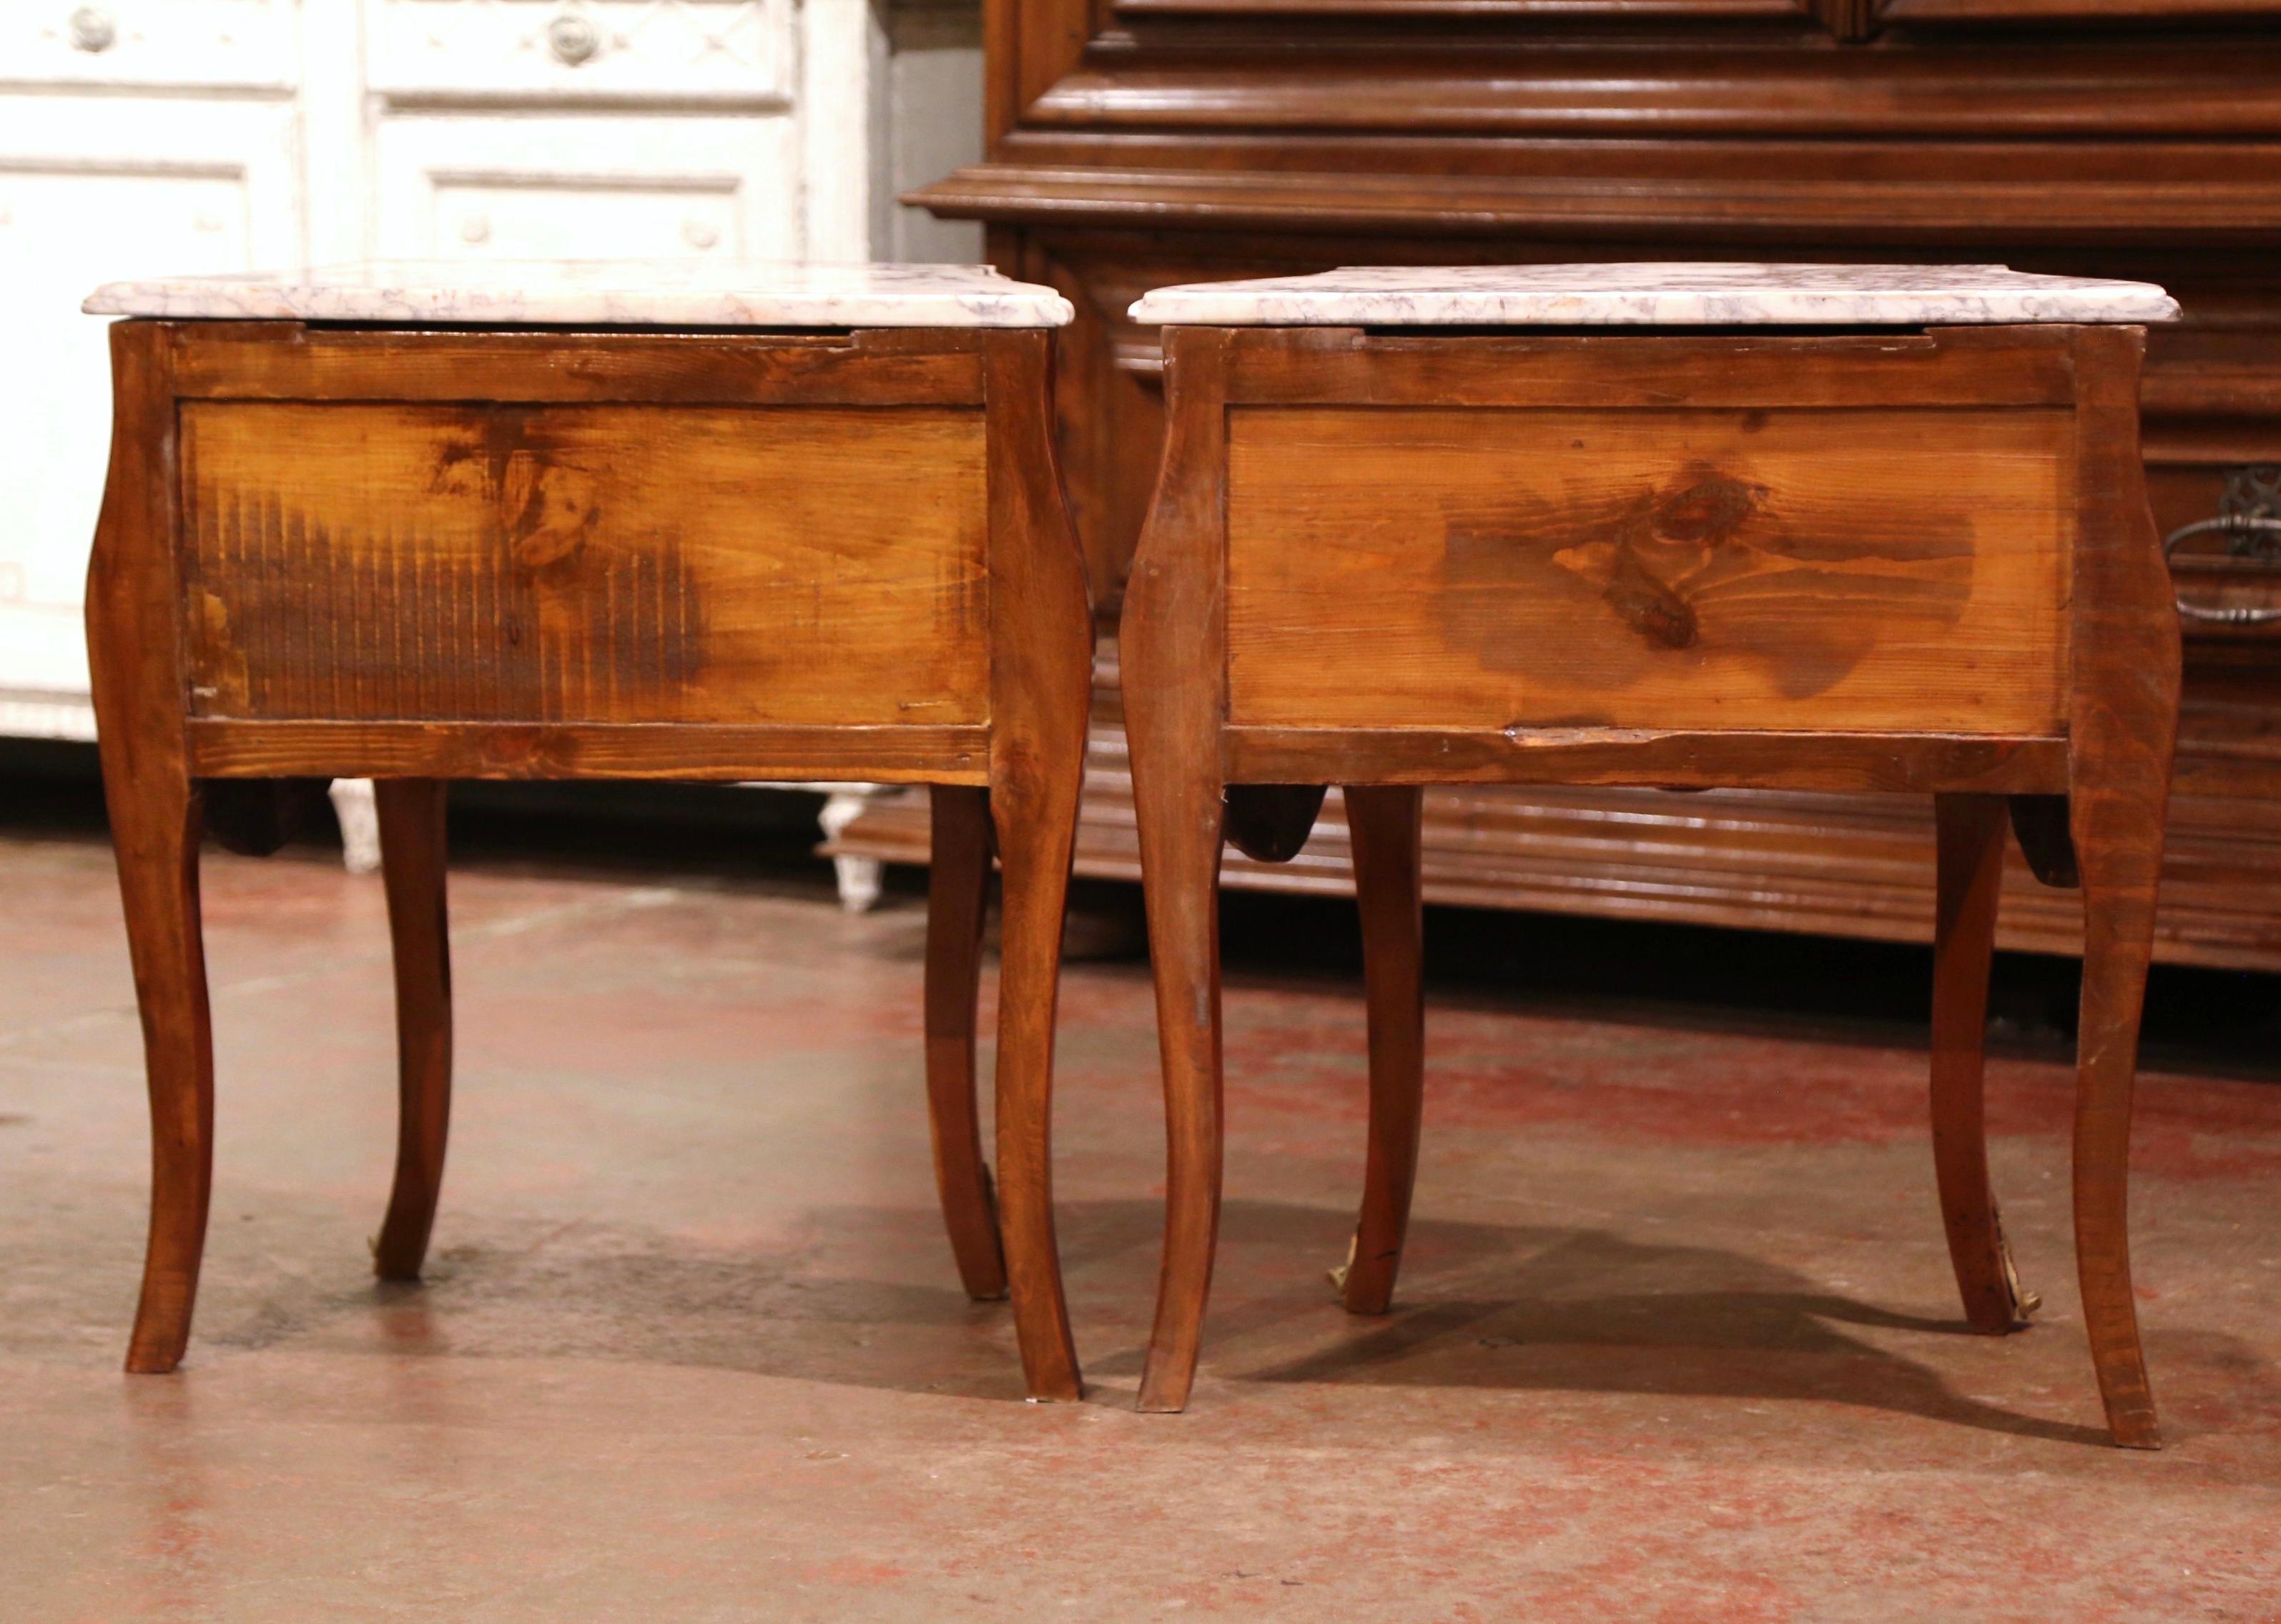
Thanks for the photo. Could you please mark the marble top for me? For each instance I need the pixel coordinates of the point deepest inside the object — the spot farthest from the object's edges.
(1669, 295)
(752, 293)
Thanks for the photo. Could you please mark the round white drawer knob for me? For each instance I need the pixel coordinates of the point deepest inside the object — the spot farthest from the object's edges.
(92, 30)
(572, 39)
(698, 235)
(476, 228)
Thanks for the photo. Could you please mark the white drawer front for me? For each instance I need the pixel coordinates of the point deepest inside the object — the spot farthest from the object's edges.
(727, 52)
(492, 186)
(192, 44)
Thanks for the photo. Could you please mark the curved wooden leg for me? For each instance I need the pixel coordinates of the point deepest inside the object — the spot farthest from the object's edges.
(1383, 821)
(133, 629)
(1179, 861)
(2119, 847)
(1175, 652)
(957, 882)
(2122, 731)
(1037, 833)
(1971, 871)
(1042, 677)
(155, 829)
(412, 845)
(2118, 905)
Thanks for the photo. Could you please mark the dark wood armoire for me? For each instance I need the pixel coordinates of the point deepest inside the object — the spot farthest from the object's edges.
(1133, 143)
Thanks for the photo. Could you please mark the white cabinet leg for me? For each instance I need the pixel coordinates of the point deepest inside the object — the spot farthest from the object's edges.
(859, 878)
(353, 804)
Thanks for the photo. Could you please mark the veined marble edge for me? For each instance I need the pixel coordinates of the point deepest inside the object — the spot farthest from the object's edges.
(1657, 294)
(1058, 314)
(1185, 314)
(954, 302)
(994, 321)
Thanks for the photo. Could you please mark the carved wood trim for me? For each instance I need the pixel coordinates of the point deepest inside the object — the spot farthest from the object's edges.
(1957, 90)
(1260, 92)
(2073, 10)
(1774, 192)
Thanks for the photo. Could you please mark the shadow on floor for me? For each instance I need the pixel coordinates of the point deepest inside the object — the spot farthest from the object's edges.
(1551, 1309)
(1517, 1308)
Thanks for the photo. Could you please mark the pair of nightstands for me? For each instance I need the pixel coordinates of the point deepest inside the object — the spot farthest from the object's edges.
(1863, 529)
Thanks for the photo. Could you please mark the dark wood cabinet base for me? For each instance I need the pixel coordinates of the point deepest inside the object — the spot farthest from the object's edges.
(1767, 860)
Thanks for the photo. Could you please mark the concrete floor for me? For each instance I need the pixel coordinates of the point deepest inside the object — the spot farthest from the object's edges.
(1676, 1340)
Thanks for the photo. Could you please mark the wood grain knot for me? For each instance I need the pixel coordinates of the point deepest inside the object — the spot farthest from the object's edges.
(1664, 545)
(1709, 563)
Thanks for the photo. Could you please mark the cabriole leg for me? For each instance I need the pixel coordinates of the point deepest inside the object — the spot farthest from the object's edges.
(1180, 831)
(1174, 641)
(155, 827)
(134, 659)
(957, 882)
(411, 816)
(1037, 833)
(1970, 875)
(2122, 724)
(2119, 846)
(1382, 821)
(1041, 666)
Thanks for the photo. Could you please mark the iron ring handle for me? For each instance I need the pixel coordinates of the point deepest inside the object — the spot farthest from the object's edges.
(2242, 617)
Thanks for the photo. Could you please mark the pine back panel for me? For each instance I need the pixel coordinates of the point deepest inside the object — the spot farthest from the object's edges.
(604, 563)
(1844, 569)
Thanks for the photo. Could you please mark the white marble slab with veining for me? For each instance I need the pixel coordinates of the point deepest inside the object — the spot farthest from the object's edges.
(498, 293)
(1655, 295)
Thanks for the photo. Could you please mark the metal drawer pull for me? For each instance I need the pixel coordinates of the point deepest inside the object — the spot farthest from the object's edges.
(92, 30)
(2249, 516)
(2242, 616)
(573, 40)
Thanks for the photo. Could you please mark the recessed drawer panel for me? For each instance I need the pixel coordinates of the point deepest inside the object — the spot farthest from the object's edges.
(585, 564)
(726, 52)
(211, 44)
(1851, 570)
(554, 185)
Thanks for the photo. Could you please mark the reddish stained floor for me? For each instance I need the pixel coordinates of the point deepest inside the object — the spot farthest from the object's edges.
(1675, 1342)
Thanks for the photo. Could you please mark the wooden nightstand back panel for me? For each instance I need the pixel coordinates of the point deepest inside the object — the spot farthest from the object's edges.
(1861, 569)
(1611, 565)
(356, 561)
(415, 554)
